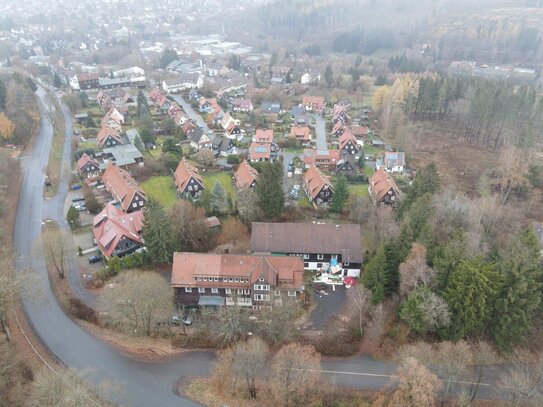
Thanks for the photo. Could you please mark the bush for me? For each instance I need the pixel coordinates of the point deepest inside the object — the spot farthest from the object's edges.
(338, 341)
(233, 159)
(81, 311)
(92, 203)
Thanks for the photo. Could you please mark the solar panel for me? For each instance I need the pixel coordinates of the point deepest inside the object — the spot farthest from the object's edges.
(261, 150)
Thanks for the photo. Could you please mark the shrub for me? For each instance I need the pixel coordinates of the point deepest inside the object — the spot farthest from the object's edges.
(80, 310)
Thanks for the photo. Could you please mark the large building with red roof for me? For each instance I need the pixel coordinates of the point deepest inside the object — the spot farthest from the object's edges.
(117, 233)
(259, 282)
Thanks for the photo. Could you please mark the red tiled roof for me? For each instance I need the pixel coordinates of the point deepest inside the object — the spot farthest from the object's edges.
(345, 138)
(111, 225)
(359, 131)
(381, 183)
(245, 175)
(300, 133)
(121, 185)
(184, 172)
(316, 102)
(258, 151)
(337, 127)
(264, 136)
(321, 157)
(314, 180)
(103, 134)
(279, 271)
(84, 160)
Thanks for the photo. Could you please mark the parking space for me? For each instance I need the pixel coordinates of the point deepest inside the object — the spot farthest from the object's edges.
(328, 301)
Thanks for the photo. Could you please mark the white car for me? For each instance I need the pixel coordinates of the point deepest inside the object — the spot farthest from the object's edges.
(289, 174)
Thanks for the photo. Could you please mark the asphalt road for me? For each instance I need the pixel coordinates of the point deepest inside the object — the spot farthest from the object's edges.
(320, 132)
(191, 113)
(131, 382)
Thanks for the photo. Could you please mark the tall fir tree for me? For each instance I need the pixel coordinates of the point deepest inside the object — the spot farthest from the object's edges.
(472, 291)
(157, 233)
(218, 202)
(269, 190)
(341, 194)
(520, 296)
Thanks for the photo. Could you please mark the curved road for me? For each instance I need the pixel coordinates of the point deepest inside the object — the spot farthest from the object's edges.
(136, 383)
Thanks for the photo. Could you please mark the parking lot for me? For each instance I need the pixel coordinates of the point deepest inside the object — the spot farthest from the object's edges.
(328, 304)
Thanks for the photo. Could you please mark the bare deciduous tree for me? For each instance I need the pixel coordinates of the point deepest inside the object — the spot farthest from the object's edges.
(524, 379)
(134, 300)
(240, 366)
(414, 271)
(233, 231)
(360, 299)
(205, 157)
(54, 243)
(296, 375)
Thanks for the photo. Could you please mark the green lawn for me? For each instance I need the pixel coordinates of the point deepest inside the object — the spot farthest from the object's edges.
(368, 171)
(86, 145)
(162, 189)
(358, 190)
(224, 178)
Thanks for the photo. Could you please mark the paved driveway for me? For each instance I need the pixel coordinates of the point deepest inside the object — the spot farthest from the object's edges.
(191, 113)
(320, 131)
(327, 306)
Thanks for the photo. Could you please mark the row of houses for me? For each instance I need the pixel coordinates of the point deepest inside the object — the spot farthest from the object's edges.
(91, 81)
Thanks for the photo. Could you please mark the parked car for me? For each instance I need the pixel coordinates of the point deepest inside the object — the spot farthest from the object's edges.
(95, 259)
(77, 198)
(186, 320)
(75, 187)
(80, 207)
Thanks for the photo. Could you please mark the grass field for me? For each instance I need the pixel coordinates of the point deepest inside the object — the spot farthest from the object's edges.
(223, 178)
(358, 190)
(162, 189)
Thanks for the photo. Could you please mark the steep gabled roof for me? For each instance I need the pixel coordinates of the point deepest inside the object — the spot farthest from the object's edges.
(381, 183)
(84, 160)
(345, 138)
(112, 225)
(264, 136)
(300, 132)
(121, 185)
(258, 151)
(245, 175)
(314, 181)
(104, 133)
(184, 172)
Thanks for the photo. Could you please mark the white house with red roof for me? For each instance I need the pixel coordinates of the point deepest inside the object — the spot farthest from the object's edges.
(88, 168)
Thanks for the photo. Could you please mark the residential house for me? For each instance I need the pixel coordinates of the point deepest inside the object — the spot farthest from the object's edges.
(81, 117)
(326, 159)
(124, 189)
(87, 81)
(348, 144)
(360, 131)
(301, 134)
(383, 189)
(245, 176)
(231, 126)
(340, 114)
(113, 118)
(160, 100)
(316, 243)
(108, 137)
(223, 146)
(88, 168)
(263, 136)
(317, 186)
(310, 77)
(199, 139)
(313, 103)
(182, 82)
(177, 114)
(262, 152)
(394, 161)
(104, 101)
(346, 165)
(117, 233)
(119, 96)
(257, 282)
(338, 129)
(205, 106)
(126, 156)
(270, 108)
(188, 180)
(242, 105)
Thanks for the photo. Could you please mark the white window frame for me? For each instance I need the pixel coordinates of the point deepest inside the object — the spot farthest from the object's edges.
(247, 292)
(228, 291)
(214, 290)
(240, 291)
(291, 293)
(215, 279)
(277, 293)
(201, 290)
(188, 289)
(320, 256)
(306, 256)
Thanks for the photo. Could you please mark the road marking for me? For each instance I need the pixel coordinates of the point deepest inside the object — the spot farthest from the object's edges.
(385, 376)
